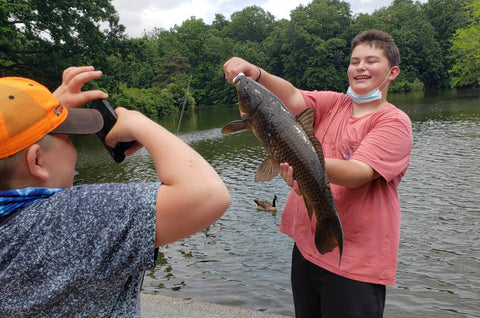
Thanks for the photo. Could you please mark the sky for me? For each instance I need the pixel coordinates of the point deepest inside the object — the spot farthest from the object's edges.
(139, 16)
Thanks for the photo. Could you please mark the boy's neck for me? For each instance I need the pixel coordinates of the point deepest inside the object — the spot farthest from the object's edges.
(360, 110)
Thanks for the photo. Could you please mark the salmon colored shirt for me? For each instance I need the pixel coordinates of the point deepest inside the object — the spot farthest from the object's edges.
(370, 214)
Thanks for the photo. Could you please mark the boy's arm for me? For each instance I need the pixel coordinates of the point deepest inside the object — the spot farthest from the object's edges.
(284, 90)
(347, 173)
(192, 195)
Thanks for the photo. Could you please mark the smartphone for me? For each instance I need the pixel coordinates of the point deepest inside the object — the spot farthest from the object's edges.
(109, 119)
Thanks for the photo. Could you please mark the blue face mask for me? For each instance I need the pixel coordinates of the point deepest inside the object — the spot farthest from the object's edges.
(365, 98)
(371, 96)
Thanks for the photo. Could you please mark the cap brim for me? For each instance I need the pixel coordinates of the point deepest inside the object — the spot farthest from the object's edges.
(80, 121)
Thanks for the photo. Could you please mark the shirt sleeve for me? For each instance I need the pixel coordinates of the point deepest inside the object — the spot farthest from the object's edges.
(322, 102)
(387, 146)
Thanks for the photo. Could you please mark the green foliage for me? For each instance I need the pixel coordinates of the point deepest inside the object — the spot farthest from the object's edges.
(40, 38)
(251, 24)
(169, 67)
(401, 85)
(145, 100)
(306, 39)
(466, 50)
(327, 65)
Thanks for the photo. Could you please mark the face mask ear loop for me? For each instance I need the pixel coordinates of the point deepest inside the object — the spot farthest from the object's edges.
(386, 77)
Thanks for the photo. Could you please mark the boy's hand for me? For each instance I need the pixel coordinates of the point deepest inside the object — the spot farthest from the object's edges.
(69, 92)
(127, 127)
(286, 171)
(237, 65)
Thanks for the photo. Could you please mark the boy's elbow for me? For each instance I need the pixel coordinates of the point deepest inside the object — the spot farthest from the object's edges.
(213, 198)
(226, 202)
(221, 198)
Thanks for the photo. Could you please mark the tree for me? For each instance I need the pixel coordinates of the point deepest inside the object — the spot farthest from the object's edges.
(133, 63)
(188, 40)
(307, 56)
(446, 16)
(466, 50)
(40, 37)
(328, 65)
(208, 85)
(170, 66)
(220, 22)
(251, 24)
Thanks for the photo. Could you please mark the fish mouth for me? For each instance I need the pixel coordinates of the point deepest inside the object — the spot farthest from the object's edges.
(237, 78)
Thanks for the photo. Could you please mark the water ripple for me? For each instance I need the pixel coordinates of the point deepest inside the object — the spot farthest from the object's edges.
(243, 260)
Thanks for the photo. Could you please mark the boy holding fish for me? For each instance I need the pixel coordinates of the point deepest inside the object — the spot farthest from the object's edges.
(366, 142)
(82, 251)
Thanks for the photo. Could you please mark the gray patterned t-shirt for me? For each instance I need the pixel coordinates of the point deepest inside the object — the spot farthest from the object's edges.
(80, 253)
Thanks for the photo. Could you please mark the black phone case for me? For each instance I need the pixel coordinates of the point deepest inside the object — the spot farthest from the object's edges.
(109, 119)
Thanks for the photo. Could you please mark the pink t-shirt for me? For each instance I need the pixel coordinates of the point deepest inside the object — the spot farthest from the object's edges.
(370, 214)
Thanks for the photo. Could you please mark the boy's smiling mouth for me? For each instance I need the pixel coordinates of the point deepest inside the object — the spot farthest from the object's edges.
(362, 77)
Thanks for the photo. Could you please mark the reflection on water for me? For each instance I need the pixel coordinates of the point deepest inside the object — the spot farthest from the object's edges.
(243, 260)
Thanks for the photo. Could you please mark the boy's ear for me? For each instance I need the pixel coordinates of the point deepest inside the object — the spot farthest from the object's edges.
(35, 163)
(394, 71)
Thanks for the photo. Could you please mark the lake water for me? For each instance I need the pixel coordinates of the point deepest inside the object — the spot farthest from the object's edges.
(243, 260)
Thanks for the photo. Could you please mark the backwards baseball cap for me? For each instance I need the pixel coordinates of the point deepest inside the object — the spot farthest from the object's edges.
(29, 111)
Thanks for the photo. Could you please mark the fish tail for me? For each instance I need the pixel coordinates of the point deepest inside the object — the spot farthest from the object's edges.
(327, 237)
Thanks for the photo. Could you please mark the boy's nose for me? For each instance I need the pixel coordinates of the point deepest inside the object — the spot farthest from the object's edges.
(361, 65)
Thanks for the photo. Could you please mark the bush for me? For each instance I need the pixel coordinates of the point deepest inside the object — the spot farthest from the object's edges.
(403, 86)
(152, 102)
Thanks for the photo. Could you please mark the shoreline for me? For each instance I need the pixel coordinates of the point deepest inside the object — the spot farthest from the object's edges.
(156, 306)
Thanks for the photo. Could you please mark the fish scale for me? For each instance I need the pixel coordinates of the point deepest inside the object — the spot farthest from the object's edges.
(289, 138)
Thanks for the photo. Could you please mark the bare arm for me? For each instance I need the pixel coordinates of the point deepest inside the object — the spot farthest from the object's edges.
(284, 90)
(192, 195)
(347, 173)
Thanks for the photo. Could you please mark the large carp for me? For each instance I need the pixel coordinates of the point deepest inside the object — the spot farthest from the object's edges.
(289, 138)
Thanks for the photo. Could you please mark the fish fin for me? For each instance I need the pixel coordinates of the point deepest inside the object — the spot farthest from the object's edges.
(306, 120)
(236, 125)
(328, 235)
(309, 210)
(268, 169)
(308, 204)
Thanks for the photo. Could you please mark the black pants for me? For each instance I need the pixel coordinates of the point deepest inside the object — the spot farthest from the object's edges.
(320, 293)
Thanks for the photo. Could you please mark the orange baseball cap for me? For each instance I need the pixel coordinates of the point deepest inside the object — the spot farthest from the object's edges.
(29, 111)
